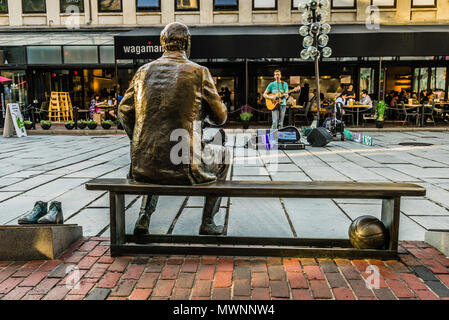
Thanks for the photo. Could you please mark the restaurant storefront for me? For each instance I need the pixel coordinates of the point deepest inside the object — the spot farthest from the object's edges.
(241, 59)
(392, 58)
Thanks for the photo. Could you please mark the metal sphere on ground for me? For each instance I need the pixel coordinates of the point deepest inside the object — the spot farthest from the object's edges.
(367, 232)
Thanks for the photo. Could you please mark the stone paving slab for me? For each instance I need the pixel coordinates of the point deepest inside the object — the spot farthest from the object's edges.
(55, 168)
(421, 273)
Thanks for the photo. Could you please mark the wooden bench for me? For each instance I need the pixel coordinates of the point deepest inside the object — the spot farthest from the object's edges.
(122, 244)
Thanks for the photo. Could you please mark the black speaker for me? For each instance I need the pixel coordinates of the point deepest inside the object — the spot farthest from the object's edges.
(319, 137)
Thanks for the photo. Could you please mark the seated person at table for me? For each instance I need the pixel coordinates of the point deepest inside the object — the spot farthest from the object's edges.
(94, 106)
(403, 97)
(342, 98)
(366, 100)
(113, 112)
(350, 92)
(424, 97)
(394, 100)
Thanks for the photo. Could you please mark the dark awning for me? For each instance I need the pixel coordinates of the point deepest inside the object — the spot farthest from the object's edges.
(284, 41)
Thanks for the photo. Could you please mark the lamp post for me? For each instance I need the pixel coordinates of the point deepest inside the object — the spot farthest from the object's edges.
(315, 30)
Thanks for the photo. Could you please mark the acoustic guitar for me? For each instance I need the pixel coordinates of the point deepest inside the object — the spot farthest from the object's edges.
(271, 105)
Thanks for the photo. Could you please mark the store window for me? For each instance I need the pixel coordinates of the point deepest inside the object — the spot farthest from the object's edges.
(192, 5)
(80, 54)
(3, 6)
(366, 80)
(109, 5)
(384, 3)
(107, 55)
(424, 3)
(438, 82)
(420, 79)
(14, 87)
(12, 55)
(265, 4)
(226, 5)
(72, 6)
(148, 5)
(343, 4)
(296, 3)
(226, 89)
(34, 6)
(44, 55)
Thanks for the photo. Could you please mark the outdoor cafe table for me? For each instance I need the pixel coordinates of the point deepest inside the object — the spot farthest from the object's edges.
(358, 107)
(420, 108)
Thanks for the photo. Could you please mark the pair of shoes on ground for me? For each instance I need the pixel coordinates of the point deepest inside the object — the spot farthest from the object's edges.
(41, 215)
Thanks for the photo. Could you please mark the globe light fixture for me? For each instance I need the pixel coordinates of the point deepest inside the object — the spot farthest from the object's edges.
(304, 31)
(323, 39)
(307, 42)
(315, 13)
(305, 54)
(325, 28)
(327, 52)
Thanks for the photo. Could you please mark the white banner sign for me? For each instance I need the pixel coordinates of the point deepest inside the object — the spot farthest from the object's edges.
(14, 121)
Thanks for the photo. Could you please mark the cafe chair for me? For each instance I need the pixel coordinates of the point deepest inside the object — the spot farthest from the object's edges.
(303, 113)
(408, 112)
(428, 112)
(348, 113)
(369, 113)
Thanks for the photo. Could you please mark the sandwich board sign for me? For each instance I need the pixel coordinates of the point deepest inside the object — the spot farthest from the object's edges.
(14, 121)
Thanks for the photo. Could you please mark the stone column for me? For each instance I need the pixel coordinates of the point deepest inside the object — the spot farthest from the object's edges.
(443, 10)
(403, 10)
(245, 11)
(168, 11)
(129, 12)
(206, 12)
(361, 10)
(94, 6)
(15, 13)
(284, 11)
(53, 12)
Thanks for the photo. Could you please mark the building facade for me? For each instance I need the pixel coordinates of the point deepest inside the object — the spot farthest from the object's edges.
(68, 45)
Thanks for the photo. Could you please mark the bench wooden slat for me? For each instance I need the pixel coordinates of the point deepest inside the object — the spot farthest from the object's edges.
(285, 189)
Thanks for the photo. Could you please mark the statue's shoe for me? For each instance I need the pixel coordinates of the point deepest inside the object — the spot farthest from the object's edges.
(39, 210)
(142, 225)
(54, 215)
(211, 229)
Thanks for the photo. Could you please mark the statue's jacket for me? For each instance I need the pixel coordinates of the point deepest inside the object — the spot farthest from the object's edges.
(169, 98)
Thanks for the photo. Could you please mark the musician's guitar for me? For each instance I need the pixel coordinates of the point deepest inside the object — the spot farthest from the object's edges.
(271, 105)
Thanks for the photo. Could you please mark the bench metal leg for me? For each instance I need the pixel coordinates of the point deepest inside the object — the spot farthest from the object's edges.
(390, 217)
(117, 222)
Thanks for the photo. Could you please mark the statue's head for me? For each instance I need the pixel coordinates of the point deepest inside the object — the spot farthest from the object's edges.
(176, 37)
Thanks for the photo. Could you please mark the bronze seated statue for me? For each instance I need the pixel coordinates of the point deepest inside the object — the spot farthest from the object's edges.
(168, 100)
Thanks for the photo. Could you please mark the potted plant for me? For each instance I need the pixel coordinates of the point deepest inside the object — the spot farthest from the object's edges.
(106, 124)
(28, 124)
(69, 125)
(81, 124)
(45, 124)
(246, 115)
(92, 124)
(381, 107)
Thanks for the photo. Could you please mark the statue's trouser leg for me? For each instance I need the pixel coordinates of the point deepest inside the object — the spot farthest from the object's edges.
(212, 204)
(149, 203)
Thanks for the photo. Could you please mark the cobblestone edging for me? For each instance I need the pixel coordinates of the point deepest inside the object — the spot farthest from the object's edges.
(422, 273)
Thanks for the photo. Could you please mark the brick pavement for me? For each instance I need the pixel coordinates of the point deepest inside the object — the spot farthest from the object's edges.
(421, 273)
